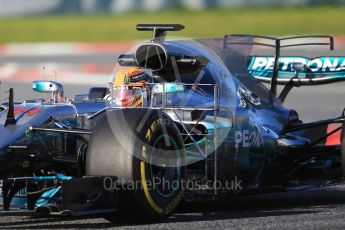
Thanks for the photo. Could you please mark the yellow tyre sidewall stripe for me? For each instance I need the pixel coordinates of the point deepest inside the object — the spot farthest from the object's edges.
(146, 190)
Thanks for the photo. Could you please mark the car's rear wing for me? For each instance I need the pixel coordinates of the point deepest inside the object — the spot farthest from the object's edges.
(271, 74)
(320, 70)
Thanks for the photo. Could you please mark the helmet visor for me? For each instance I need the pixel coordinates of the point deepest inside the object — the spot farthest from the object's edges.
(128, 97)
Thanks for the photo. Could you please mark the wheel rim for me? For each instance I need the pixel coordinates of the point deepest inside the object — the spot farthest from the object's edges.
(168, 178)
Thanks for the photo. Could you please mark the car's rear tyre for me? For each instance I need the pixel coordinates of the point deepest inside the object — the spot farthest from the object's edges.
(125, 144)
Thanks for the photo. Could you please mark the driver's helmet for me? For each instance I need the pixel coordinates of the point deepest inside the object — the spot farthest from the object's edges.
(130, 87)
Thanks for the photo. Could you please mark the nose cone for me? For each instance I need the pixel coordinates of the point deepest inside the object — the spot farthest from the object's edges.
(11, 133)
(31, 115)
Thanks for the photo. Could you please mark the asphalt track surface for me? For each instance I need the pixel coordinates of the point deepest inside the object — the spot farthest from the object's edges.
(319, 208)
(322, 208)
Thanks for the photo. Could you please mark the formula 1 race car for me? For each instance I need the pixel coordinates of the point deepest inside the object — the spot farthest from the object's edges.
(206, 126)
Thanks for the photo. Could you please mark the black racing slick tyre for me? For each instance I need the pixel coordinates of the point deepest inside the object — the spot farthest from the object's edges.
(144, 150)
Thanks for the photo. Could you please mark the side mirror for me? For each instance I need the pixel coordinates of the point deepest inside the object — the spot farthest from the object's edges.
(167, 88)
(46, 86)
(55, 88)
